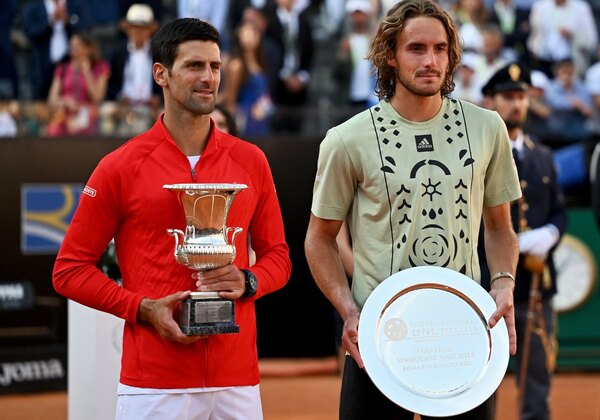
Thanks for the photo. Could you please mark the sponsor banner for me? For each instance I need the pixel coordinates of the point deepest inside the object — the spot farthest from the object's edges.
(46, 211)
(33, 368)
(16, 295)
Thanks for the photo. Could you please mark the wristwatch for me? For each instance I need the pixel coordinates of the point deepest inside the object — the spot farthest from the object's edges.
(251, 284)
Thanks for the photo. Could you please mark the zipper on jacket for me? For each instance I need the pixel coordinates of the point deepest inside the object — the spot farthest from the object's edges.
(195, 171)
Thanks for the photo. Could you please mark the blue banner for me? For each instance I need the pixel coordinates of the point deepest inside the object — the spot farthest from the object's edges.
(46, 211)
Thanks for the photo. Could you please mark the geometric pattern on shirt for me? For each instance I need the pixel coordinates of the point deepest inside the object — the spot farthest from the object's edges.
(432, 245)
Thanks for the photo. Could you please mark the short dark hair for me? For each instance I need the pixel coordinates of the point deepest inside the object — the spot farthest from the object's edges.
(166, 40)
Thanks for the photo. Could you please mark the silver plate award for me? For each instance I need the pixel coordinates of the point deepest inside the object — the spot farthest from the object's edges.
(425, 341)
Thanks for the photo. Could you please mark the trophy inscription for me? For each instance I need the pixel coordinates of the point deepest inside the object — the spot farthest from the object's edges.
(205, 245)
(450, 343)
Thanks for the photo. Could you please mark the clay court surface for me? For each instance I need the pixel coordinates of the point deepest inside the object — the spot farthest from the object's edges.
(308, 390)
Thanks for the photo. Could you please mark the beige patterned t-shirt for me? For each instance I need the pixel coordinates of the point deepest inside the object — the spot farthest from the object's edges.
(413, 192)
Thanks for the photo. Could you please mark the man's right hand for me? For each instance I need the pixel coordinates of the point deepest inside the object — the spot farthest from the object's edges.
(159, 313)
(350, 338)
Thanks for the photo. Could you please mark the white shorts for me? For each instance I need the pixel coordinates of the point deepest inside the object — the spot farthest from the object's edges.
(235, 403)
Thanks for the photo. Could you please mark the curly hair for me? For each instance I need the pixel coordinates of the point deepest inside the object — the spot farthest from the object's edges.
(383, 45)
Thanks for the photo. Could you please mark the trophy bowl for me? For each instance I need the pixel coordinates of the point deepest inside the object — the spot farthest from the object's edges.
(205, 244)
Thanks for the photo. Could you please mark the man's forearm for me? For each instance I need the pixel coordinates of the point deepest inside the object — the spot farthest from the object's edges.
(502, 252)
(327, 270)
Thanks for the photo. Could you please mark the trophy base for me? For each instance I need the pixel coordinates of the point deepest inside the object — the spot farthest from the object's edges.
(205, 313)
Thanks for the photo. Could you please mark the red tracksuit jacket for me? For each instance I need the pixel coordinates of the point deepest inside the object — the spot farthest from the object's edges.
(124, 199)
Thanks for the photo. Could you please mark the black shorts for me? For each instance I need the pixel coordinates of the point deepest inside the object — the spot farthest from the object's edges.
(361, 400)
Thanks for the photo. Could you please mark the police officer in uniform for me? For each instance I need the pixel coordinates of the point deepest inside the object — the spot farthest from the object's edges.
(539, 219)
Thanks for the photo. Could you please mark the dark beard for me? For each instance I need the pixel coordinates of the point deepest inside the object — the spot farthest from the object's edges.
(511, 124)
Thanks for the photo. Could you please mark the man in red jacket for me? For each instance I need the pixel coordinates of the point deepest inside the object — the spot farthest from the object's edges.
(163, 370)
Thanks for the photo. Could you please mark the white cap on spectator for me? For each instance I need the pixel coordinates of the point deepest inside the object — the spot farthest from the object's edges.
(358, 6)
(539, 80)
(470, 60)
(139, 15)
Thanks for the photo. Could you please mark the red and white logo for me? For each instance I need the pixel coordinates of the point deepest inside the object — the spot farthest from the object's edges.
(89, 191)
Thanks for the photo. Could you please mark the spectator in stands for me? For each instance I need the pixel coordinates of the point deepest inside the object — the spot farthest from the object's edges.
(352, 69)
(469, 16)
(592, 83)
(9, 80)
(34, 118)
(48, 25)
(289, 29)
(78, 86)
(469, 11)
(158, 9)
(224, 120)
(237, 9)
(492, 54)
(9, 110)
(513, 22)
(258, 18)
(562, 29)
(479, 65)
(131, 82)
(466, 83)
(246, 90)
(255, 15)
(571, 103)
(536, 123)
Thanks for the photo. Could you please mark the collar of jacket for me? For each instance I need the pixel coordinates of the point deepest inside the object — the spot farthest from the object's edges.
(215, 138)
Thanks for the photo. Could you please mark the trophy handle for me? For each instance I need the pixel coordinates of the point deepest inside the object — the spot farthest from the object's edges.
(175, 233)
(235, 232)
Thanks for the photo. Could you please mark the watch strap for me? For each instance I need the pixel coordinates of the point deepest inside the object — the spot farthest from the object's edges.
(250, 282)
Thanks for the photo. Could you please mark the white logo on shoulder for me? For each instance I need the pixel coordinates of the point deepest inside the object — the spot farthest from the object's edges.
(89, 191)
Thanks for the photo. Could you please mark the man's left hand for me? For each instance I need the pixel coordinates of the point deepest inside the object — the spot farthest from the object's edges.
(502, 293)
(229, 281)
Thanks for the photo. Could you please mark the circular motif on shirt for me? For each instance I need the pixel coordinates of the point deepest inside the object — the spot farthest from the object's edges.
(431, 248)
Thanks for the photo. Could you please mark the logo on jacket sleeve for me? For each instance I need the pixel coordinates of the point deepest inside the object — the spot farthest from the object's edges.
(424, 143)
(89, 191)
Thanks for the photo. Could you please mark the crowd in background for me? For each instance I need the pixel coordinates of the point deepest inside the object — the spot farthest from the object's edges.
(83, 67)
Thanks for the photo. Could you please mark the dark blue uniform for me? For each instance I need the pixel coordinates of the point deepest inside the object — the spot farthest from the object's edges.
(542, 204)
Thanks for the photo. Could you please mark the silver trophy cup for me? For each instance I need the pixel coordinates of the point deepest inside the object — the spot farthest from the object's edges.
(205, 245)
